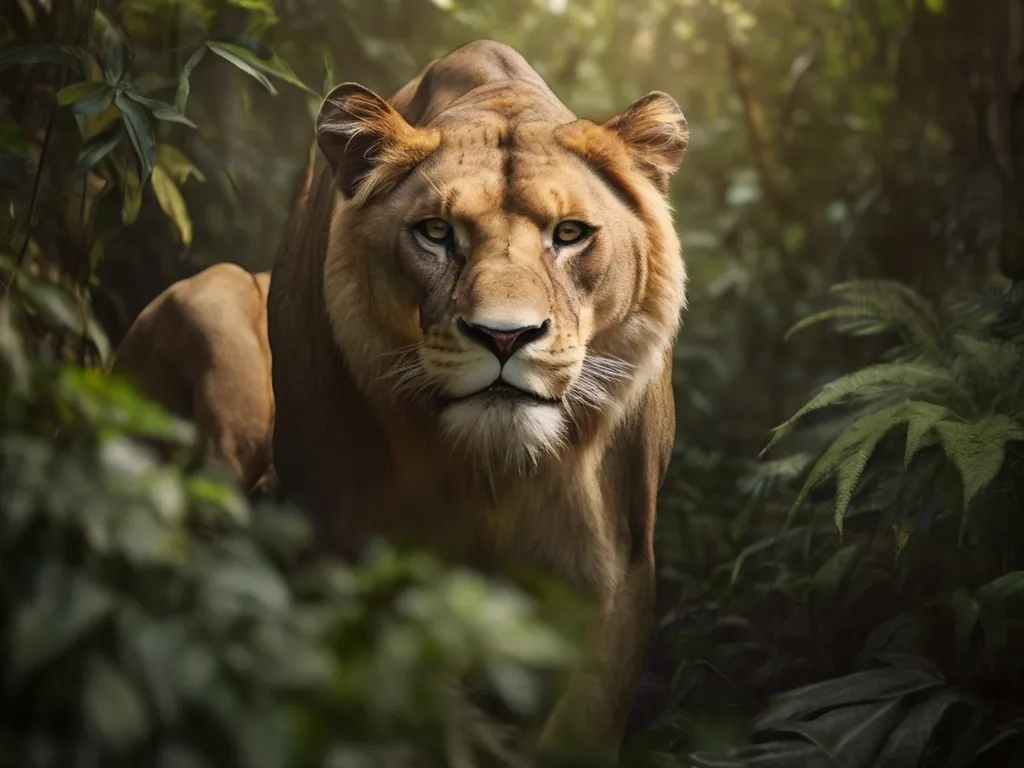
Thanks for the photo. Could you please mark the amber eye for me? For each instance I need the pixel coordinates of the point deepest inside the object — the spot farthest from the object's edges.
(569, 232)
(435, 230)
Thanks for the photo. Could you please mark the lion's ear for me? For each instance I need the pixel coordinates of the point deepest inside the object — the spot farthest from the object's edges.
(656, 134)
(368, 144)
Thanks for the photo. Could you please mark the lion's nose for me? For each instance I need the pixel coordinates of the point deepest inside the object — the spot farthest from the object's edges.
(505, 342)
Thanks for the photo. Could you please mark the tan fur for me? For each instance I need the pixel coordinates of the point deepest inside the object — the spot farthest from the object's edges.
(382, 427)
(200, 349)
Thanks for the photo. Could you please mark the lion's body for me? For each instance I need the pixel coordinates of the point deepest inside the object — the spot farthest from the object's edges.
(200, 349)
(566, 482)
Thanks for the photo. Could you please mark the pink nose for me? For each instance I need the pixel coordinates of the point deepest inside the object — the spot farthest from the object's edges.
(504, 344)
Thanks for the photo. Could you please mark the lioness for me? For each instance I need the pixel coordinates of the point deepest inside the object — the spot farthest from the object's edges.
(472, 320)
(200, 349)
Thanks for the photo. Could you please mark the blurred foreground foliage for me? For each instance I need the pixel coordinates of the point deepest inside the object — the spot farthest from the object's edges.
(856, 598)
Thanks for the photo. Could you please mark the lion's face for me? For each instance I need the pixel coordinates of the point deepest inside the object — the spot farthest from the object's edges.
(507, 271)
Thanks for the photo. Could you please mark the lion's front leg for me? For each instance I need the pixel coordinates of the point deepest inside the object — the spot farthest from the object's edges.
(596, 703)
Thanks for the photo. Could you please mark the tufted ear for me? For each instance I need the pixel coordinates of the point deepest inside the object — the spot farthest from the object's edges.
(656, 134)
(368, 144)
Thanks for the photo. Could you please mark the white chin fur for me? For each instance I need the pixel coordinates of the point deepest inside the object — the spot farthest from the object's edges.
(502, 434)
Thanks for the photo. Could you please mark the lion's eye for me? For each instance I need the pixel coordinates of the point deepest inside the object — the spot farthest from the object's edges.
(435, 230)
(569, 232)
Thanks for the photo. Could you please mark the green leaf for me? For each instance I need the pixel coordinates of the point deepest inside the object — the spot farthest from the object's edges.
(177, 165)
(44, 53)
(909, 741)
(848, 454)
(65, 605)
(140, 132)
(977, 449)
(920, 423)
(98, 147)
(159, 109)
(911, 377)
(999, 590)
(824, 586)
(935, 6)
(59, 308)
(966, 615)
(273, 65)
(172, 203)
(239, 57)
(131, 196)
(77, 91)
(112, 707)
(181, 95)
(858, 688)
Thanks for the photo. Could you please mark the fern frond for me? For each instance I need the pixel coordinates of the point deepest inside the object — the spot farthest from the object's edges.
(878, 306)
(855, 445)
(977, 449)
(873, 381)
(998, 359)
(920, 423)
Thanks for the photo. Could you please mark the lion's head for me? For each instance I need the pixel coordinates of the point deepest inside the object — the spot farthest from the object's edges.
(505, 271)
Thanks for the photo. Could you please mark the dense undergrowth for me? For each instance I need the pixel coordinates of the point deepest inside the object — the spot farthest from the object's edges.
(853, 597)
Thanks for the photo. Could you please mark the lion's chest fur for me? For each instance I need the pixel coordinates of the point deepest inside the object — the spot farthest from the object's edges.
(559, 520)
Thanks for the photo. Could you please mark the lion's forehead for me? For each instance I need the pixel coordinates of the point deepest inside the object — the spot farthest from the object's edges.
(494, 170)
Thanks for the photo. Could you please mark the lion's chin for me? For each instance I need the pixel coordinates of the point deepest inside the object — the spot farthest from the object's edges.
(505, 433)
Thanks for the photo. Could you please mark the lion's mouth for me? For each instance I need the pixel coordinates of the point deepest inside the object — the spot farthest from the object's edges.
(503, 391)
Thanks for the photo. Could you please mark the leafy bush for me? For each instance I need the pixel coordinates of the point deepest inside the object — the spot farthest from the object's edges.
(151, 615)
(922, 591)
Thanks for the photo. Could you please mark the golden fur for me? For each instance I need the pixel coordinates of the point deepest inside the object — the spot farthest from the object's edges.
(386, 343)
(200, 349)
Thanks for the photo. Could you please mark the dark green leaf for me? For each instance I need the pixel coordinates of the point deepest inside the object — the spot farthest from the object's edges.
(112, 707)
(141, 134)
(77, 91)
(160, 110)
(98, 147)
(1006, 586)
(64, 606)
(181, 95)
(858, 688)
(909, 741)
(776, 754)
(59, 308)
(44, 53)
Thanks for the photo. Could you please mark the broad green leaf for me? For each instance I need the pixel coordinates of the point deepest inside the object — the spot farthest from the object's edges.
(909, 741)
(1006, 586)
(240, 58)
(857, 688)
(184, 86)
(977, 449)
(64, 605)
(966, 615)
(141, 134)
(159, 109)
(177, 165)
(774, 754)
(44, 53)
(828, 579)
(910, 377)
(172, 203)
(112, 707)
(98, 147)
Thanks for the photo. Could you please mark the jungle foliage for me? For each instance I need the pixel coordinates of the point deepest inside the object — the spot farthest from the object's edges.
(841, 551)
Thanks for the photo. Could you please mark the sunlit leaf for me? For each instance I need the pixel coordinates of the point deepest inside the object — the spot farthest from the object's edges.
(172, 203)
(177, 165)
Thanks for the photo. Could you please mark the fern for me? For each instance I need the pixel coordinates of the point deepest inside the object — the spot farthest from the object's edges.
(872, 382)
(977, 450)
(874, 307)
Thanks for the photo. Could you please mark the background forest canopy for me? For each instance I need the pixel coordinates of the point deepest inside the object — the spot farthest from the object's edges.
(852, 214)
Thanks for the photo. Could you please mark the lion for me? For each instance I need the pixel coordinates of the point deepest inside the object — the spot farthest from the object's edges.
(472, 319)
(201, 350)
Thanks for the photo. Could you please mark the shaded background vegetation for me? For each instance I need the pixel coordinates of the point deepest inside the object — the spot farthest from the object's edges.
(853, 597)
